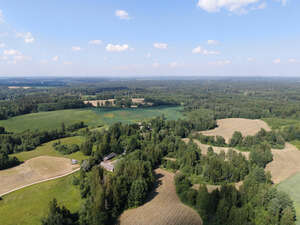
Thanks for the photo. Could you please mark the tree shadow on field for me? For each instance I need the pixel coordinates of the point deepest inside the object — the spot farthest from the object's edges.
(154, 193)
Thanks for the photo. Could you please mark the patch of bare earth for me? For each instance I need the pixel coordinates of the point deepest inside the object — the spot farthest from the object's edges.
(286, 163)
(163, 208)
(226, 127)
(34, 170)
(217, 150)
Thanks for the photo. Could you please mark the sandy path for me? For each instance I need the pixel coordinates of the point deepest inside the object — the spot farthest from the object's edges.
(226, 127)
(34, 171)
(165, 208)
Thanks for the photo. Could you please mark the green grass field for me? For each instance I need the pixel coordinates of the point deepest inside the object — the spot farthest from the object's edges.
(132, 115)
(292, 186)
(92, 117)
(27, 206)
(278, 123)
(47, 149)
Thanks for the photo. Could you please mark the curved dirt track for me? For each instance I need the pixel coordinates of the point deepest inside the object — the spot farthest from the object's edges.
(165, 208)
(226, 127)
(34, 171)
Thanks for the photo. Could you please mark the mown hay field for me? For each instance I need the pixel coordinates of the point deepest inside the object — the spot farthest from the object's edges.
(28, 205)
(34, 170)
(226, 127)
(163, 208)
(92, 117)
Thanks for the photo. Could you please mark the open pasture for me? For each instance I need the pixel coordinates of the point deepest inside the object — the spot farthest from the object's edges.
(92, 117)
(28, 205)
(48, 150)
(34, 170)
(226, 127)
(163, 208)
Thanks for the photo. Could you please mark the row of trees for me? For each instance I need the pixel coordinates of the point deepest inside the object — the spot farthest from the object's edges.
(29, 140)
(273, 138)
(255, 203)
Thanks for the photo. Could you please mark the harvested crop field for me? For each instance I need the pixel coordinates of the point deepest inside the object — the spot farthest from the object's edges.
(226, 127)
(34, 170)
(164, 208)
(217, 150)
(285, 163)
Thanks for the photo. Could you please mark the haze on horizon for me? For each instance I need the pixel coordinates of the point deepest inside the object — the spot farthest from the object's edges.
(150, 38)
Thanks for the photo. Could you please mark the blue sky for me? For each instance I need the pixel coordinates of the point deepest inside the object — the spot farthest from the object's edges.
(150, 38)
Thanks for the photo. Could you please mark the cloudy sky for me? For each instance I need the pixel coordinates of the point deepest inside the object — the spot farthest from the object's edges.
(150, 38)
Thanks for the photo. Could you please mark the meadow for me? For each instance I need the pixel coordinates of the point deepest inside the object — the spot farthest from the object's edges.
(48, 150)
(28, 205)
(93, 117)
(291, 186)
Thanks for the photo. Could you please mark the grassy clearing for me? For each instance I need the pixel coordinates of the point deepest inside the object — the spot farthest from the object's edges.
(92, 117)
(292, 186)
(278, 123)
(50, 120)
(132, 115)
(47, 150)
(27, 206)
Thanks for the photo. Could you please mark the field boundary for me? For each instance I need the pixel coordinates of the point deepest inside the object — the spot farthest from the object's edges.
(37, 182)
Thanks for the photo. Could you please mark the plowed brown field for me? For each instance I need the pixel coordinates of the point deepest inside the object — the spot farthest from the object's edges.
(226, 127)
(164, 208)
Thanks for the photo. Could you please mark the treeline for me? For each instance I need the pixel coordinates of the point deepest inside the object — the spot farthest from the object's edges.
(256, 202)
(65, 149)
(216, 168)
(37, 102)
(273, 138)
(29, 140)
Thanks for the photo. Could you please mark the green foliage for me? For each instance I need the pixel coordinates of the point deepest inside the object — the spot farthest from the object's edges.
(58, 215)
(261, 155)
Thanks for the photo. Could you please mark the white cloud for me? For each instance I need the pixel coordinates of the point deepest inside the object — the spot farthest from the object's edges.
(221, 62)
(11, 52)
(55, 58)
(95, 42)
(28, 37)
(21, 58)
(3, 58)
(212, 42)
(294, 60)
(44, 61)
(173, 64)
(160, 45)
(117, 48)
(155, 65)
(277, 61)
(2, 45)
(250, 59)
(1, 17)
(67, 63)
(200, 50)
(122, 14)
(283, 2)
(148, 56)
(76, 48)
